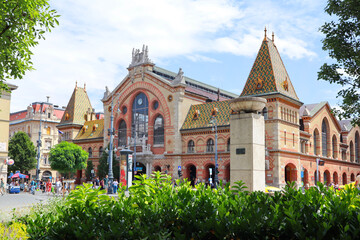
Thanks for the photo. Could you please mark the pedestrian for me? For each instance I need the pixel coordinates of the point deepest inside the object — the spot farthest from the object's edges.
(48, 187)
(2, 187)
(102, 184)
(58, 186)
(115, 185)
(357, 182)
(33, 187)
(106, 182)
(97, 183)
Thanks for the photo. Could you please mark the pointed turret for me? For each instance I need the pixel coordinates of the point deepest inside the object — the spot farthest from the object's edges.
(77, 107)
(268, 74)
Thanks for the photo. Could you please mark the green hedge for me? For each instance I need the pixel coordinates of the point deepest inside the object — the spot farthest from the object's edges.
(157, 210)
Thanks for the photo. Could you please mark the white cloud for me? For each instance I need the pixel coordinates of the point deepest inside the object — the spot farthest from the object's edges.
(94, 41)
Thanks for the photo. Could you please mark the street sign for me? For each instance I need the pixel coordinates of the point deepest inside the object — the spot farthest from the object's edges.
(179, 168)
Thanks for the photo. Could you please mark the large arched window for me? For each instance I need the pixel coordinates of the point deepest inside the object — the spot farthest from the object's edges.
(324, 138)
(334, 147)
(101, 151)
(316, 139)
(159, 130)
(351, 151)
(210, 145)
(122, 133)
(90, 152)
(139, 122)
(357, 147)
(191, 146)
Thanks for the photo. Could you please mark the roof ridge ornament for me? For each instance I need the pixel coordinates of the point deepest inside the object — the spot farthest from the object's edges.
(179, 78)
(265, 33)
(139, 58)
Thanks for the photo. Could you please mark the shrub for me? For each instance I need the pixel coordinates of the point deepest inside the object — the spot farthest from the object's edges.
(15, 230)
(155, 209)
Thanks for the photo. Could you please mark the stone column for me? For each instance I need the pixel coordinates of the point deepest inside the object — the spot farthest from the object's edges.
(247, 144)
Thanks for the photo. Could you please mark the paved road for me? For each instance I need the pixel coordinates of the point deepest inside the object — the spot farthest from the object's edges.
(20, 202)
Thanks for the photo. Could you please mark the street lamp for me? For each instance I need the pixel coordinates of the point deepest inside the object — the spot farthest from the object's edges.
(38, 148)
(214, 128)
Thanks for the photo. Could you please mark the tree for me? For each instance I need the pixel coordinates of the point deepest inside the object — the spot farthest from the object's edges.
(90, 166)
(342, 41)
(67, 157)
(103, 168)
(22, 24)
(22, 151)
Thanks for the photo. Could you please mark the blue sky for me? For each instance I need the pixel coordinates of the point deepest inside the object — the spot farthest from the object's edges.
(213, 41)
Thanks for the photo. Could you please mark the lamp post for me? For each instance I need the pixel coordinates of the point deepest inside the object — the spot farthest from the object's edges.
(135, 138)
(38, 148)
(110, 157)
(214, 128)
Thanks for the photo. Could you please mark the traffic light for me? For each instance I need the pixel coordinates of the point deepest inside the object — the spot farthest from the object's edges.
(217, 170)
(38, 171)
(180, 173)
(321, 162)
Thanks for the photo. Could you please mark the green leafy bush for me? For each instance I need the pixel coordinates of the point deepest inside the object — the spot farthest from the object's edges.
(155, 209)
(15, 230)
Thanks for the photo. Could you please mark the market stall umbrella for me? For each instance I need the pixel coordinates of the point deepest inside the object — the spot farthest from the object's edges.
(19, 175)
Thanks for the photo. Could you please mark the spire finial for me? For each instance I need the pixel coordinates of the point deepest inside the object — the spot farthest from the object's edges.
(273, 36)
(265, 32)
(85, 86)
(76, 84)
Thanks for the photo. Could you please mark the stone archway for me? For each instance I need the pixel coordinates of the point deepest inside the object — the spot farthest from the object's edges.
(210, 168)
(191, 173)
(344, 179)
(352, 177)
(290, 173)
(318, 176)
(327, 177)
(335, 178)
(227, 173)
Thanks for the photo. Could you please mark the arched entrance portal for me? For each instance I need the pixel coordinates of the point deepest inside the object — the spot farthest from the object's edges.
(191, 174)
(327, 177)
(335, 178)
(46, 175)
(352, 177)
(290, 173)
(305, 177)
(140, 169)
(227, 173)
(210, 173)
(317, 178)
(344, 178)
(157, 169)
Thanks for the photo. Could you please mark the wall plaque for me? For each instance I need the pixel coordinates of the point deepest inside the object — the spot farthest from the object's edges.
(240, 151)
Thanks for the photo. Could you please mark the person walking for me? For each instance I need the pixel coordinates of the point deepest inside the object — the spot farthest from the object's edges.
(58, 186)
(2, 187)
(115, 185)
(97, 183)
(106, 182)
(48, 187)
(33, 187)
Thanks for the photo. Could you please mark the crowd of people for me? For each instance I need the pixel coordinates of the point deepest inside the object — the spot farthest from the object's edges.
(105, 184)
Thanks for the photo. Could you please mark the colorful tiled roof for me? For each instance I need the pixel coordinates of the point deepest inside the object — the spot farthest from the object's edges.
(18, 115)
(268, 74)
(199, 116)
(77, 107)
(91, 129)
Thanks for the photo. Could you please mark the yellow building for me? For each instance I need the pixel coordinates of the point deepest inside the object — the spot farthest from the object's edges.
(5, 99)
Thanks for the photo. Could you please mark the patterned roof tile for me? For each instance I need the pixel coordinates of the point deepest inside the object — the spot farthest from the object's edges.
(204, 115)
(91, 129)
(268, 74)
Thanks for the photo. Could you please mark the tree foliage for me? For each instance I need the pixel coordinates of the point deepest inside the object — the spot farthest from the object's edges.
(103, 168)
(22, 25)
(342, 41)
(67, 157)
(90, 166)
(22, 151)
